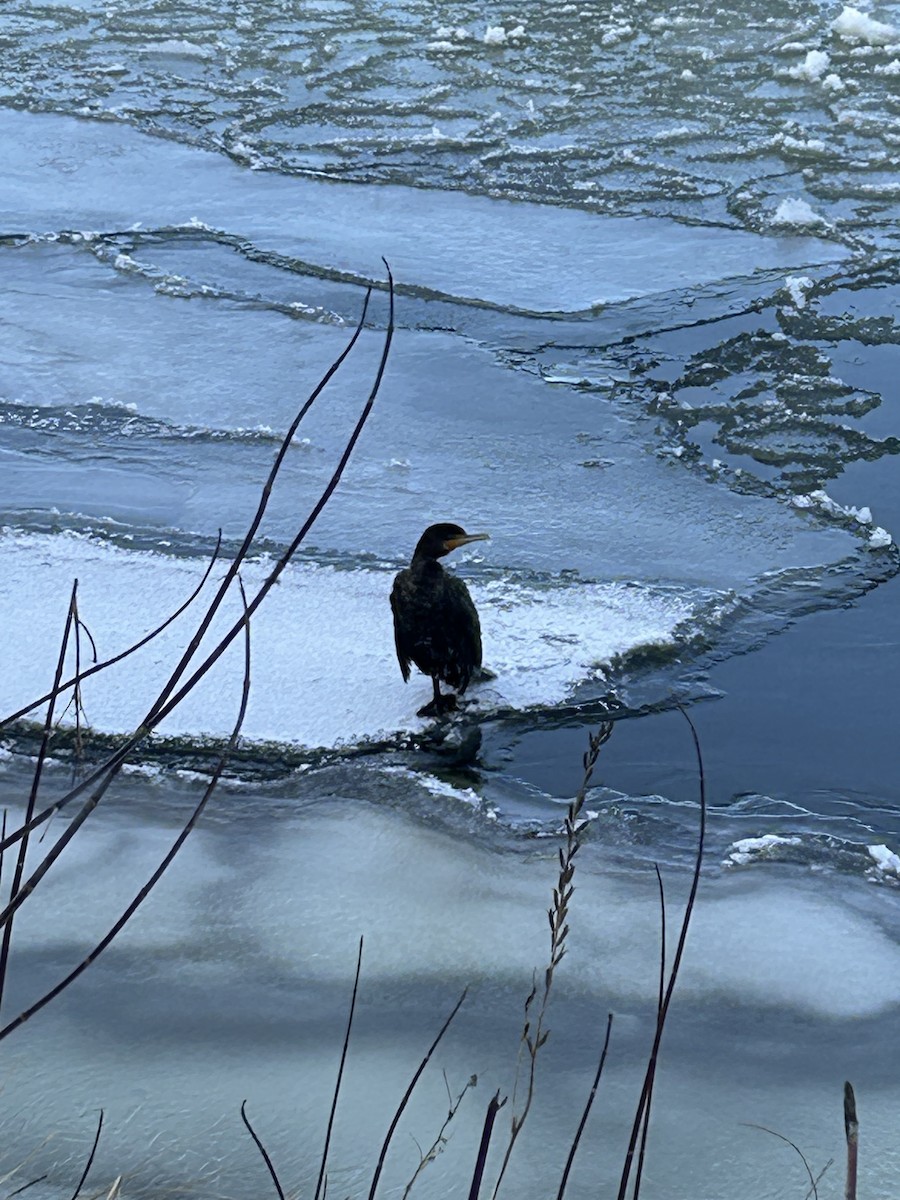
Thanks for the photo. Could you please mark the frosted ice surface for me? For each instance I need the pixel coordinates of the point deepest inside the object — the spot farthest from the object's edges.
(545, 259)
(494, 35)
(792, 946)
(325, 669)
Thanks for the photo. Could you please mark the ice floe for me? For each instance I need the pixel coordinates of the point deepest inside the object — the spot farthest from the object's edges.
(324, 663)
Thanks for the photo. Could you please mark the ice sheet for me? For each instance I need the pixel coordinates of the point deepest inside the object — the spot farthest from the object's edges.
(325, 670)
(522, 255)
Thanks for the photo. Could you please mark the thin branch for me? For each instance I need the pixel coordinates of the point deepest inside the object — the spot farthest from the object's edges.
(440, 1140)
(409, 1091)
(261, 1148)
(587, 1110)
(659, 1005)
(90, 1161)
(19, 869)
(793, 1146)
(261, 508)
(650, 1075)
(164, 864)
(117, 658)
(26, 1186)
(103, 776)
(320, 1182)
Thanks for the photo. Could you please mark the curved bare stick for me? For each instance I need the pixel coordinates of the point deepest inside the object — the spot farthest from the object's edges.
(19, 869)
(645, 1132)
(90, 1161)
(586, 1112)
(158, 713)
(650, 1074)
(409, 1091)
(153, 718)
(261, 1148)
(117, 658)
(260, 512)
(814, 1191)
(163, 866)
(487, 1130)
(320, 1183)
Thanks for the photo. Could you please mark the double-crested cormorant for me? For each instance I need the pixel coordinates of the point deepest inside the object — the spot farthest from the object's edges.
(435, 622)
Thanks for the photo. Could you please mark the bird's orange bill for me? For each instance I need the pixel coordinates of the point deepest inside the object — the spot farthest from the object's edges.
(464, 539)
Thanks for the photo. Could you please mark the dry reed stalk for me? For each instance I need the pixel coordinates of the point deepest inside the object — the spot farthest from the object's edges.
(166, 702)
(851, 1131)
(490, 1117)
(408, 1093)
(576, 1141)
(533, 1038)
(322, 1181)
(643, 1106)
(263, 1151)
(90, 1160)
(19, 869)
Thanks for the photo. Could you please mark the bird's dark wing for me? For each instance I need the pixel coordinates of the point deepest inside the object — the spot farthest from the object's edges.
(403, 651)
(463, 632)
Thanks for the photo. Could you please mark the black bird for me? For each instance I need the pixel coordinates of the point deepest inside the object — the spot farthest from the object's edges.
(435, 622)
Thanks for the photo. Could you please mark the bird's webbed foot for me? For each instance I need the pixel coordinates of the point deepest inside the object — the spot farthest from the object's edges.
(438, 706)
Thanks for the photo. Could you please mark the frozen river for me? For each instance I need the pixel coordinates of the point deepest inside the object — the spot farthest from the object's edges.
(647, 336)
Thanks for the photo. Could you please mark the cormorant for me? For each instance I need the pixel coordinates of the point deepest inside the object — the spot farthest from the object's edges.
(435, 622)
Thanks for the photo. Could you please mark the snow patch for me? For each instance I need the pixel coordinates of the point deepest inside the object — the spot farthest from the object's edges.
(885, 860)
(813, 66)
(793, 211)
(745, 850)
(797, 286)
(855, 26)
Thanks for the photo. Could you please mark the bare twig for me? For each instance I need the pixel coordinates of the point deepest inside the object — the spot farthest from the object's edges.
(19, 869)
(558, 914)
(103, 776)
(429, 1155)
(320, 1183)
(90, 1161)
(812, 1179)
(650, 1075)
(645, 1130)
(164, 864)
(587, 1110)
(408, 1093)
(851, 1130)
(117, 658)
(261, 1148)
(26, 1186)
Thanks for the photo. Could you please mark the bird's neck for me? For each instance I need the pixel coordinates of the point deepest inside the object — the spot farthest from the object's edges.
(425, 563)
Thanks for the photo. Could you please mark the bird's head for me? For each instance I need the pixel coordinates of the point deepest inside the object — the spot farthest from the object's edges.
(438, 540)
